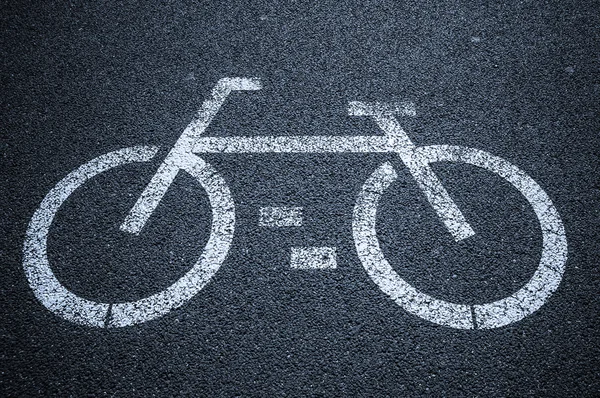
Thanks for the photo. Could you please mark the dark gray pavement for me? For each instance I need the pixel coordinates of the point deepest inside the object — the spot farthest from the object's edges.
(519, 79)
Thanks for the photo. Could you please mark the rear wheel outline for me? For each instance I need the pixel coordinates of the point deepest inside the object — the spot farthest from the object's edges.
(58, 299)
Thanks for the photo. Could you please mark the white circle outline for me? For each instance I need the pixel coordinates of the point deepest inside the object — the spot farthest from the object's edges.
(499, 313)
(58, 299)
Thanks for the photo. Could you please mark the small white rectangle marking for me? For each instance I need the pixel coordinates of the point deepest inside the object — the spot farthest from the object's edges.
(280, 217)
(314, 258)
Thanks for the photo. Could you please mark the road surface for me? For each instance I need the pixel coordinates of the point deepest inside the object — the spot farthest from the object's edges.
(297, 303)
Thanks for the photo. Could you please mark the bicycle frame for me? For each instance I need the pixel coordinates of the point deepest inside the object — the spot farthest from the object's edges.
(394, 140)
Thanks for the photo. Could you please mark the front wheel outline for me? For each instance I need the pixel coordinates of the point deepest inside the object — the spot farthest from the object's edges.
(499, 313)
(58, 299)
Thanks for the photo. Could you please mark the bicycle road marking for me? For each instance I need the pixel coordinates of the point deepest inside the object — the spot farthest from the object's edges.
(280, 217)
(181, 157)
(502, 312)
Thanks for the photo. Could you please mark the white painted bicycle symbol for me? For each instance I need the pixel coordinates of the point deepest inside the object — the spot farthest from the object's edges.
(183, 157)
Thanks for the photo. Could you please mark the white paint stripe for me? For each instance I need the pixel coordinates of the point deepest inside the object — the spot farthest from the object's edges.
(499, 313)
(359, 108)
(149, 199)
(54, 296)
(313, 258)
(280, 217)
(296, 144)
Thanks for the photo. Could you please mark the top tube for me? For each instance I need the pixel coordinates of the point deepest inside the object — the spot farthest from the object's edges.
(298, 144)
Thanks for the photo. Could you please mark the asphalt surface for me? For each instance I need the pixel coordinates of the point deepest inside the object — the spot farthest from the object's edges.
(517, 79)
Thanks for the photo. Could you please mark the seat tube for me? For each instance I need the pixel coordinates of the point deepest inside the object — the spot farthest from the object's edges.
(181, 154)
